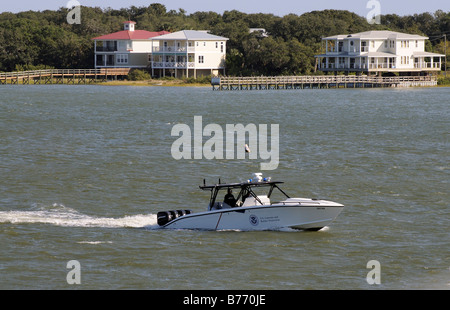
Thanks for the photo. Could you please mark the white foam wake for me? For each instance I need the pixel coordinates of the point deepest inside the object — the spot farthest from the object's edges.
(70, 218)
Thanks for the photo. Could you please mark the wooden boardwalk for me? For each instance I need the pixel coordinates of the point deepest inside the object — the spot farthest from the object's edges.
(62, 76)
(318, 81)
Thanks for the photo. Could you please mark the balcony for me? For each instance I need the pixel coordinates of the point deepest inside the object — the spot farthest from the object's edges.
(173, 49)
(106, 49)
(172, 65)
(427, 65)
(344, 66)
(382, 66)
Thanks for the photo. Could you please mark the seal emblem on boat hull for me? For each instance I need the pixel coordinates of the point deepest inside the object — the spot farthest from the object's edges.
(253, 220)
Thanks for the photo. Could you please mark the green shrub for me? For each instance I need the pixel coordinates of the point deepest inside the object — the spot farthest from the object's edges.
(167, 78)
(138, 75)
(444, 81)
(29, 67)
(200, 80)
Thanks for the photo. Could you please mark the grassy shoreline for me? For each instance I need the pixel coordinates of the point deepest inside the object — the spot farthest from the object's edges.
(143, 79)
(172, 83)
(442, 81)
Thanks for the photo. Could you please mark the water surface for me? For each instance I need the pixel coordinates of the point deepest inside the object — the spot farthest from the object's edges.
(85, 169)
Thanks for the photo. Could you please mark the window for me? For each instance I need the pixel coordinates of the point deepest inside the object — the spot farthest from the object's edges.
(417, 43)
(201, 59)
(385, 44)
(122, 58)
(217, 44)
(404, 60)
(204, 43)
(373, 44)
(221, 47)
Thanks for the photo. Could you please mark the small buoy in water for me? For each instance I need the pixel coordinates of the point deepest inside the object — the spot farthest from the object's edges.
(247, 149)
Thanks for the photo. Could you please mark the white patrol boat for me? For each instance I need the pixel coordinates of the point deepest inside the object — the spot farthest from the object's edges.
(250, 211)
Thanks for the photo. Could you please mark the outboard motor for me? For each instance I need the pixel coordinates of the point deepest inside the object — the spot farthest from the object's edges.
(165, 217)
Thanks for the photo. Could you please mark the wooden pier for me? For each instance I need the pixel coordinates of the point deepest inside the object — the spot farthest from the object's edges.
(318, 81)
(62, 76)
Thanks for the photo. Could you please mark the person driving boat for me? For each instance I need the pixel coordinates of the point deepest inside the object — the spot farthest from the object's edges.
(229, 198)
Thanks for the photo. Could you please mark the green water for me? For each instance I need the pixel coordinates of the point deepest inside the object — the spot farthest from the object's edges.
(85, 169)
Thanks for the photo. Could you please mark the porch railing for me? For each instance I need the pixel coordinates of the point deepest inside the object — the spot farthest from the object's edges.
(171, 64)
(106, 49)
(434, 65)
(173, 49)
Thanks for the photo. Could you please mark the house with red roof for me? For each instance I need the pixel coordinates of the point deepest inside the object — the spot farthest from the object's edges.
(129, 48)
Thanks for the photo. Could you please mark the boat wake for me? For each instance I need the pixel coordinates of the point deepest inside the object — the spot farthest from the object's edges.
(59, 215)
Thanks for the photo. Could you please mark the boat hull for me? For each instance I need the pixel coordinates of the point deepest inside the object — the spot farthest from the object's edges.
(267, 217)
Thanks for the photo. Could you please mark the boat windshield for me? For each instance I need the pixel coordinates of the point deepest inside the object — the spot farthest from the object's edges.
(243, 190)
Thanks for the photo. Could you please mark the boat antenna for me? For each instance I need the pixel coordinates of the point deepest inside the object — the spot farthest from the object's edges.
(219, 180)
(204, 182)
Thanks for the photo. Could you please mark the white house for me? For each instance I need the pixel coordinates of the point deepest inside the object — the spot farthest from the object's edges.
(261, 32)
(188, 53)
(129, 48)
(378, 51)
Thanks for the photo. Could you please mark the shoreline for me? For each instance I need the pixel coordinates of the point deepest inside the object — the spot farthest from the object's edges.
(172, 83)
(156, 83)
(163, 83)
(183, 84)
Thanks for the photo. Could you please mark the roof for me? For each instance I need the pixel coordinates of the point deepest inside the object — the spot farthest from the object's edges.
(377, 54)
(239, 185)
(131, 35)
(427, 54)
(378, 34)
(190, 35)
(364, 54)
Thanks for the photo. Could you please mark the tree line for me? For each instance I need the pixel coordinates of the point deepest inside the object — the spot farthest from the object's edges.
(32, 40)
